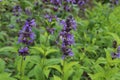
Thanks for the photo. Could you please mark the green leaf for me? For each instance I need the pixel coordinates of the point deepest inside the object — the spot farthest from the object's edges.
(20, 62)
(50, 51)
(6, 49)
(97, 76)
(29, 3)
(41, 51)
(3, 35)
(56, 78)
(69, 65)
(115, 36)
(78, 71)
(101, 60)
(108, 55)
(46, 71)
(6, 76)
(68, 74)
(53, 61)
(57, 67)
(68, 69)
(39, 74)
(2, 65)
(35, 59)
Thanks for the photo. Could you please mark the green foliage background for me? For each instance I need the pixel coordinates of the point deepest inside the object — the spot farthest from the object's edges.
(92, 60)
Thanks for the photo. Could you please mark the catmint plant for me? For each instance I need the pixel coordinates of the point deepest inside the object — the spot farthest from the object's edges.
(26, 36)
(66, 36)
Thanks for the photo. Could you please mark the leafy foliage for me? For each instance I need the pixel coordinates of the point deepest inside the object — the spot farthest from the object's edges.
(96, 30)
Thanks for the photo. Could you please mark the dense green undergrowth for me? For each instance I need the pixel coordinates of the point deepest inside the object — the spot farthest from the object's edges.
(97, 29)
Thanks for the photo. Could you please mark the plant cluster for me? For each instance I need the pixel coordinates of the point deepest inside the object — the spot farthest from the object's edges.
(59, 40)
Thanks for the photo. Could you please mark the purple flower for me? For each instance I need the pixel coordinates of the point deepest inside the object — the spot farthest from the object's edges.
(66, 37)
(116, 2)
(81, 3)
(23, 51)
(117, 54)
(69, 24)
(55, 8)
(17, 10)
(56, 2)
(67, 8)
(67, 51)
(26, 35)
(118, 49)
(71, 1)
(50, 17)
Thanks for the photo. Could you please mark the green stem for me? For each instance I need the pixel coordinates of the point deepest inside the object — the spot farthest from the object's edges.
(21, 69)
(63, 69)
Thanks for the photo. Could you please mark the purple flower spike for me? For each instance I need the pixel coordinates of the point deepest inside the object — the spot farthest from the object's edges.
(69, 24)
(26, 35)
(24, 51)
(66, 37)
